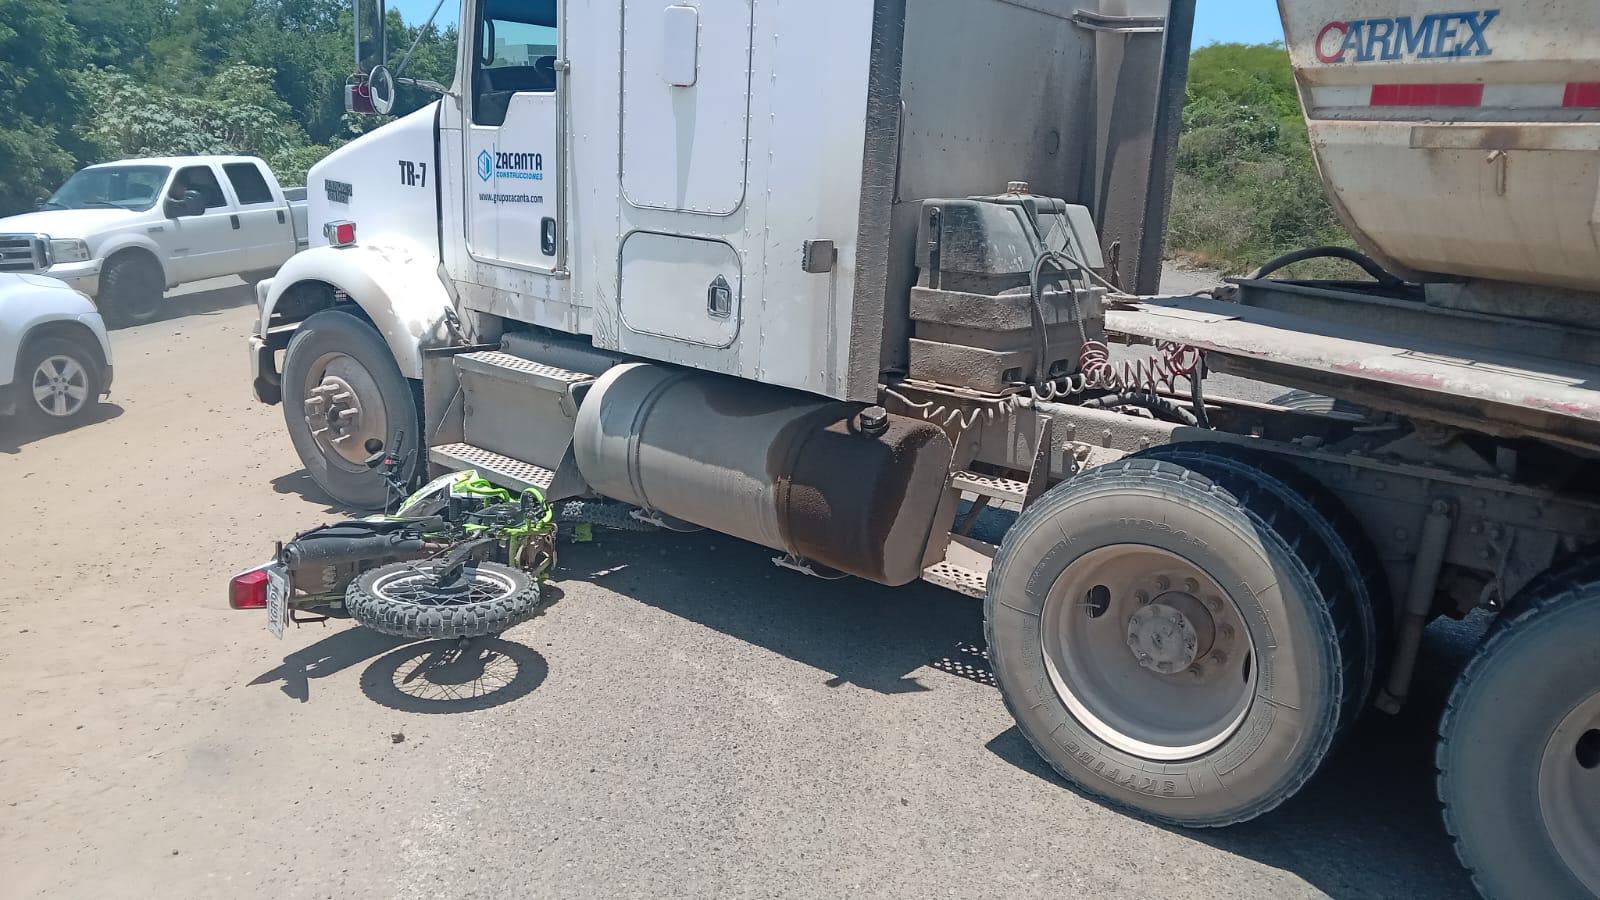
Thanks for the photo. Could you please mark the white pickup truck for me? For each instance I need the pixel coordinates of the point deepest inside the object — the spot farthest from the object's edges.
(124, 232)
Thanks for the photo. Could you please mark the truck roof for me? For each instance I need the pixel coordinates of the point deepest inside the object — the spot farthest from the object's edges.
(176, 160)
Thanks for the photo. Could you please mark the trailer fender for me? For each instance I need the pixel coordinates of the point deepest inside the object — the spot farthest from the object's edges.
(398, 291)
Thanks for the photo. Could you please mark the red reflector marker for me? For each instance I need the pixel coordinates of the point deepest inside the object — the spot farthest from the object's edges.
(248, 591)
(341, 233)
(1427, 95)
(1582, 95)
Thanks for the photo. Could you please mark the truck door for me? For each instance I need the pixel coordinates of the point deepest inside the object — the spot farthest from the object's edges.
(264, 238)
(200, 246)
(511, 134)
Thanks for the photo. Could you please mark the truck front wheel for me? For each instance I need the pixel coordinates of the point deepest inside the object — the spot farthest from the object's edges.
(1171, 646)
(1519, 747)
(131, 289)
(342, 389)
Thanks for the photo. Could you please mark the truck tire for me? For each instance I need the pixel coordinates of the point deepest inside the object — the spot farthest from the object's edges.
(57, 383)
(341, 388)
(1519, 749)
(131, 289)
(1244, 470)
(397, 599)
(1170, 646)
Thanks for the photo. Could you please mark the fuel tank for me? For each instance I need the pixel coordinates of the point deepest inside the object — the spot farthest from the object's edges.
(846, 486)
(1459, 140)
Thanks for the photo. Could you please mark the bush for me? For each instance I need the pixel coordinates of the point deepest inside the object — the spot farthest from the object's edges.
(1247, 187)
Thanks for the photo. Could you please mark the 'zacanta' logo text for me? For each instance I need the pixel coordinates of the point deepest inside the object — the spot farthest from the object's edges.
(1434, 36)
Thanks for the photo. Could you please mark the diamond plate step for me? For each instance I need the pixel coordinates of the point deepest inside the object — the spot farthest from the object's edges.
(949, 575)
(990, 486)
(504, 365)
(498, 468)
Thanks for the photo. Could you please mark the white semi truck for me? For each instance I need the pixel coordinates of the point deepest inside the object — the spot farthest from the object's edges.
(833, 277)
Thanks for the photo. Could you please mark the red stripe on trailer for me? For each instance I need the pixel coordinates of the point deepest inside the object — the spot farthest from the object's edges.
(1427, 95)
(1582, 95)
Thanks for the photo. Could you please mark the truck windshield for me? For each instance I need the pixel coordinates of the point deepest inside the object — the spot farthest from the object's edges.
(111, 187)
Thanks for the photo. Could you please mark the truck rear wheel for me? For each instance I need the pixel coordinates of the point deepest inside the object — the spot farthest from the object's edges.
(1244, 471)
(1169, 646)
(341, 388)
(1519, 749)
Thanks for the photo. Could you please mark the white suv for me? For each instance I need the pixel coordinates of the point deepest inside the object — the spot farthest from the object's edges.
(55, 358)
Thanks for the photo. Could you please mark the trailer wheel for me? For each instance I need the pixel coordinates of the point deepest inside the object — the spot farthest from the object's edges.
(1245, 471)
(1519, 749)
(341, 388)
(1169, 646)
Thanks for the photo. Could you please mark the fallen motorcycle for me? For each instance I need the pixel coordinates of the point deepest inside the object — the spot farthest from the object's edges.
(459, 558)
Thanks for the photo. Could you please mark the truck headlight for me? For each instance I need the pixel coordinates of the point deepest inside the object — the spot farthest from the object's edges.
(68, 251)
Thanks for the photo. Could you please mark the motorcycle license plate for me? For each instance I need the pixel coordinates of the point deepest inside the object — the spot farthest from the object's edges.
(277, 600)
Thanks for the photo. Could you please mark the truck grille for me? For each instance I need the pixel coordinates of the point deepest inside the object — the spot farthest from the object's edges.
(22, 253)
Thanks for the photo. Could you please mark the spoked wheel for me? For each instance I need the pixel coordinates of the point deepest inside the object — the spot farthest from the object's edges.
(1519, 747)
(1171, 646)
(61, 383)
(419, 599)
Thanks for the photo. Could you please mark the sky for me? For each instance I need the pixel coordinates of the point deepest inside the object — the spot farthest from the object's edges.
(1246, 21)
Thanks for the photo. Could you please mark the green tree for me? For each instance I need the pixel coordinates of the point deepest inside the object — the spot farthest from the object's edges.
(38, 46)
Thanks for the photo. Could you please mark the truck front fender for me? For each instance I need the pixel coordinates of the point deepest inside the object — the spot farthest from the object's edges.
(399, 291)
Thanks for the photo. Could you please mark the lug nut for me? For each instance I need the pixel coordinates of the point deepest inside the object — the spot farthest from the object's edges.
(1142, 597)
(1219, 657)
(1191, 585)
(1214, 604)
(1225, 632)
(1163, 583)
(1196, 672)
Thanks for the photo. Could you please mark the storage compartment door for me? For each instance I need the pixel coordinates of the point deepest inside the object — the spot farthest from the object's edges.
(685, 104)
(681, 288)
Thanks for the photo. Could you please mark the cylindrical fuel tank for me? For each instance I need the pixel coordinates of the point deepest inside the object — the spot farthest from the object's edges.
(780, 468)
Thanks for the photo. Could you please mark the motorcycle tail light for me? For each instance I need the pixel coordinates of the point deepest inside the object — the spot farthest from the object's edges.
(248, 590)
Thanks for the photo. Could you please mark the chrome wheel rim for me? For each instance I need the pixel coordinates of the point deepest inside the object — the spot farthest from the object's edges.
(1569, 791)
(344, 409)
(1148, 652)
(60, 386)
(418, 586)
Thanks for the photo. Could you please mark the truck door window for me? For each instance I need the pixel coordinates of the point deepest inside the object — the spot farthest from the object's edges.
(202, 179)
(247, 183)
(515, 53)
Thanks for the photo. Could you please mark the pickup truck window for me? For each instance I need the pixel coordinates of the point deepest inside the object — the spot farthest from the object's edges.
(111, 187)
(202, 179)
(248, 183)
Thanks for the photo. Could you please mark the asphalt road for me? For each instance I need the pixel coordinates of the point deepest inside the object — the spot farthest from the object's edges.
(685, 720)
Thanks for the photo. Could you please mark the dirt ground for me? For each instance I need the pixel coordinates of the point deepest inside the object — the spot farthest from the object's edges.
(686, 719)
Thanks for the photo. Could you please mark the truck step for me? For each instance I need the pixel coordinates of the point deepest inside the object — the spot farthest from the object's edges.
(515, 368)
(992, 486)
(949, 575)
(498, 468)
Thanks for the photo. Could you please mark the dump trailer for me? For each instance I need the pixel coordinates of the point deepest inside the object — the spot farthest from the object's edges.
(844, 278)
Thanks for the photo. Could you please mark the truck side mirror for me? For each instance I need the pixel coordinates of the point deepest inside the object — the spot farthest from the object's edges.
(192, 204)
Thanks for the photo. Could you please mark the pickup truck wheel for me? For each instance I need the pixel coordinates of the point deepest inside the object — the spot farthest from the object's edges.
(58, 383)
(341, 388)
(1170, 646)
(131, 290)
(1519, 748)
